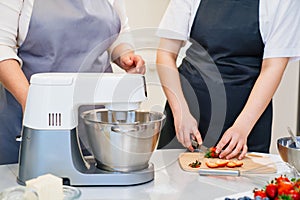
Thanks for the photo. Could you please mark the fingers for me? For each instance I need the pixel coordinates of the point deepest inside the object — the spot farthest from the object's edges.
(195, 136)
(126, 62)
(138, 61)
(236, 146)
(227, 151)
(139, 64)
(198, 137)
(133, 64)
(187, 139)
(225, 140)
(184, 137)
(243, 154)
(191, 148)
(233, 149)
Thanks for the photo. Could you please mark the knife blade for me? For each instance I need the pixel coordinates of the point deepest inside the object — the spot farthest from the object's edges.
(199, 147)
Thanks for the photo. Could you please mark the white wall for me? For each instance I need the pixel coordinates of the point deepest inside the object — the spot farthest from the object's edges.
(144, 17)
(147, 13)
(285, 104)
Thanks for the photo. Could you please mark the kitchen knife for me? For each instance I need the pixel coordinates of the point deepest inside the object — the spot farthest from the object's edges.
(199, 147)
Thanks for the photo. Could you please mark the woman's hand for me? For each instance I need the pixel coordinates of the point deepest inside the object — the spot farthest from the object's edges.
(132, 63)
(186, 128)
(263, 90)
(236, 141)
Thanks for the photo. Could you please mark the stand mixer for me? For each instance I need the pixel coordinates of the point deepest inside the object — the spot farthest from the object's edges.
(50, 141)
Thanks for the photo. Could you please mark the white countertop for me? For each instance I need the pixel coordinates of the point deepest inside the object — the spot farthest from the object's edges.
(170, 182)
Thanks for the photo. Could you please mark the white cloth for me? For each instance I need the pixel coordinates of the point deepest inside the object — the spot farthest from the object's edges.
(15, 18)
(279, 25)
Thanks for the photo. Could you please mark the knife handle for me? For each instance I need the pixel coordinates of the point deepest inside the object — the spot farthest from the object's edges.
(218, 172)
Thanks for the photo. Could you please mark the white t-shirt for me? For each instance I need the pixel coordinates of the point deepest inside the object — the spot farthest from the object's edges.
(14, 22)
(279, 22)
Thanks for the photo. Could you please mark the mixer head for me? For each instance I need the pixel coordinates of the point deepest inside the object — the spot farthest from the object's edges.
(54, 98)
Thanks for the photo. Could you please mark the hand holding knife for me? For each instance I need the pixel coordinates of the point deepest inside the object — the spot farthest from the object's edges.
(198, 147)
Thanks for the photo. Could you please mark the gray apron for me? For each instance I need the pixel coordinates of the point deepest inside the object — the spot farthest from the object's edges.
(63, 36)
(226, 50)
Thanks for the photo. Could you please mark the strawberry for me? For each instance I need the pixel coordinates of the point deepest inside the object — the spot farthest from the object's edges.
(271, 190)
(281, 179)
(259, 193)
(284, 187)
(294, 194)
(211, 153)
(281, 188)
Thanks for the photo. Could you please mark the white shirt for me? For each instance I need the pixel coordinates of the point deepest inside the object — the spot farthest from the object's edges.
(14, 22)
(279, 22)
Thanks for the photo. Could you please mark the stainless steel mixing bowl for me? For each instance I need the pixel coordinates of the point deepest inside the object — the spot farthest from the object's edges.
(288, 151)
(122, 140)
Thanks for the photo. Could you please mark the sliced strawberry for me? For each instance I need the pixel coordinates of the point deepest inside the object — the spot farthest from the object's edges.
(222, 163)
(231, 164)
(211, 164)
(238, 163)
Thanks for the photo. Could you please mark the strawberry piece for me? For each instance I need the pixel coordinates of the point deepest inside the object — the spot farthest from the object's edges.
(238, 163)
(211, 153)
(211, 164)
(222, 163)
(271, 190)
(231, 164)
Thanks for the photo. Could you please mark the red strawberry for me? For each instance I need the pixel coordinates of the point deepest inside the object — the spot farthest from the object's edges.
(271, 190)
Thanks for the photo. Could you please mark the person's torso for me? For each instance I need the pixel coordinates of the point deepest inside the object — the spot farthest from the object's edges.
(229, 32)
(69, 36)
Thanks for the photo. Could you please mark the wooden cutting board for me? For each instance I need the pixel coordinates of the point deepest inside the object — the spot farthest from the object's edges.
(254, 163)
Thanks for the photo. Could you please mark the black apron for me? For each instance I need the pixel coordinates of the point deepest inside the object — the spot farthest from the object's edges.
(219, 71)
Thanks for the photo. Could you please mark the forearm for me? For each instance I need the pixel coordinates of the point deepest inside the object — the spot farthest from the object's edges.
(169, 75)
(262, 93)
(185, 124)
(14, 80)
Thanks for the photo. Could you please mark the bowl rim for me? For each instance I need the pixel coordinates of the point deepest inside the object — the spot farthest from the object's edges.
(287, 147)
(83, 114)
